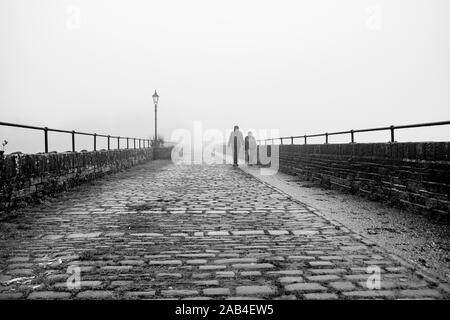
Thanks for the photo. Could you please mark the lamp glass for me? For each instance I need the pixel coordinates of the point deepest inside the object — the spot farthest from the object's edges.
(155, 97)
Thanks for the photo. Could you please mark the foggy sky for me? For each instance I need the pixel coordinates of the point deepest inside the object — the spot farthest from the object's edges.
(295, 66)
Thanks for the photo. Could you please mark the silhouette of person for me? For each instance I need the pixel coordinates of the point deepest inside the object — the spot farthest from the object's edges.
(236, 140)
(250, 149)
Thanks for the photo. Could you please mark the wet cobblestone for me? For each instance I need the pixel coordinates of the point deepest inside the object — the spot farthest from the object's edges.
(165, 231)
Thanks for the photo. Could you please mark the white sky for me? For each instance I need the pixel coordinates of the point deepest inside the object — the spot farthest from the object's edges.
(293, 66)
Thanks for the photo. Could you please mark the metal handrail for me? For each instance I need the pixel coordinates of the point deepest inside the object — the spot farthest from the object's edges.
(352, 132)
(74, 133)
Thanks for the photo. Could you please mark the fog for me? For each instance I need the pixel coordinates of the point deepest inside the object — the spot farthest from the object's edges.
(295, 67)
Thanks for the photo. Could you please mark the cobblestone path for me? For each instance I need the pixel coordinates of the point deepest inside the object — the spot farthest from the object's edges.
(165, 231)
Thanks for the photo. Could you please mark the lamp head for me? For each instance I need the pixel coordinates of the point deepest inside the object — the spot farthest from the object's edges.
(155, 98)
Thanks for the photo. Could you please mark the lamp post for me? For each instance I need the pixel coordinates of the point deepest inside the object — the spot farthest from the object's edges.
(155, 101)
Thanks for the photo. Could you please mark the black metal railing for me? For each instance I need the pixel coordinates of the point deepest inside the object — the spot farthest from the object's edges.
(352, 132)
(141, 142)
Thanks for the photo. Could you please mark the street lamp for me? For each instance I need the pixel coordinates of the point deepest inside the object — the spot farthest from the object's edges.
(155, 101)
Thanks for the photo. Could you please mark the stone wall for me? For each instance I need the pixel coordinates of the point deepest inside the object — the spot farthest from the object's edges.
(164, 153)
(26, 178)
(415, 176)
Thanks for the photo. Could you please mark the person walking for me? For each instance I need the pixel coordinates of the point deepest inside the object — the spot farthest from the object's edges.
(236, 141)
(250, 149)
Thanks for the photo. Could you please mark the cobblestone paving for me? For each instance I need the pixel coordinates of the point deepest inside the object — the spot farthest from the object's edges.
(204, 232)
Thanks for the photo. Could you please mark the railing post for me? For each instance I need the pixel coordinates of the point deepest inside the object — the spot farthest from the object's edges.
(134, 141)
(305, 139)
(353, 135)
(326, 138)
(281, 140)
(392, 134)
(46, 139)
(108, 142)
(292, 140)
(73, 141)
(118, 143)
(128, 147)
(95, 142)
(139, 143)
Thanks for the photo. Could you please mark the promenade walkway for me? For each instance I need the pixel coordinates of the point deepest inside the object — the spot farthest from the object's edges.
(165, 231)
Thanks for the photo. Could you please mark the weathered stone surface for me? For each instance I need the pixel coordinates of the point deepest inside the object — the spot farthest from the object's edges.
(196, 255)
(34, 175)
(216, 291)
(342, 285)
(304, 232)
(116, 268)
(218, 233)
(421, 293)
(207, 282)
(139, 294)
(247, 232)
(121, 283)
(18, 259)
(321, 296)
(20, 272)
(196, 261)
(255, 290)
(290, 279)
(320, 263)
(253, 266)
(212, 267)
(165, 262)
(236, 260)
(10, 295)
(169, 275)
(53, 237)
(323, 278)
(95, 294)
(251, 273)
(90, 284)
(172, 293)
(304, 287)
(83, 235)
(278, 232)
(49, 295)
(146, 234)
(132, 262)
(124, 260)
(345, 167)
(285, 272)
(370, 294)
(225, 274)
